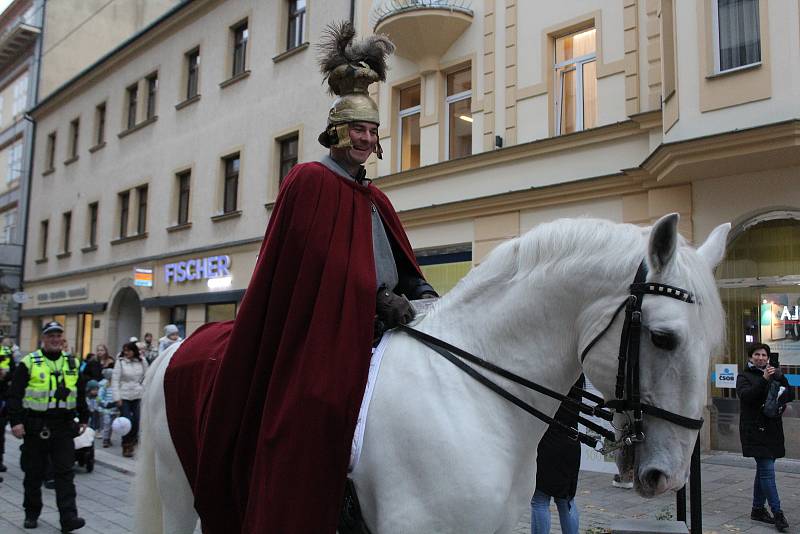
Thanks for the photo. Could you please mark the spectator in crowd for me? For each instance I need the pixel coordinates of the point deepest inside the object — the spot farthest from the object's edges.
(106, 406)
(7, 364)
(91, 368)
(8, 346)
(558, 461)
(761, 428)
(171, 335)
(150, 349)
(128, 389)
(104, 357)
(92, 391)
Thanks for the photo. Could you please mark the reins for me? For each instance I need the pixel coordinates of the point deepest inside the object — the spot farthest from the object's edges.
(628, 397)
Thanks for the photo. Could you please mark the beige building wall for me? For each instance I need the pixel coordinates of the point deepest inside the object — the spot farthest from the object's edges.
(78, 33)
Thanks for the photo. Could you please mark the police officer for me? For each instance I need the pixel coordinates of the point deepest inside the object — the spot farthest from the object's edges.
(43, 401)
(6, 367)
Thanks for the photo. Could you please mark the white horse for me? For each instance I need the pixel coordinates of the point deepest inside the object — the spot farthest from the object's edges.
(442, 453)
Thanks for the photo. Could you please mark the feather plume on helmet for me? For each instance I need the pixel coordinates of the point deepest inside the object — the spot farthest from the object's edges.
(350, 67)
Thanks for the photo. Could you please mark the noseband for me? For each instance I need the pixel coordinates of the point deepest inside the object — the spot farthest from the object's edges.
(627, 393)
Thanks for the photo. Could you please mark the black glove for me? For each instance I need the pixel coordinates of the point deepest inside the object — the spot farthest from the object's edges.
(392, 309)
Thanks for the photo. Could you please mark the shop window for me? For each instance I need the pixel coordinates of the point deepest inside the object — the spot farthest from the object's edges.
(459, 114)
(83, 334)
(240, 35)
(297, 15)
(177, 316)
(133, 97)
(444, 268)
(737, 34)
(225, 311)
(288, 149)
(575, 81)
(409, 135)
(100, 124)
(192, 73)
(184, 190)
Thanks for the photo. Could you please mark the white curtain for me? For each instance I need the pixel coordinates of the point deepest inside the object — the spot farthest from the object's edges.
(739, 37)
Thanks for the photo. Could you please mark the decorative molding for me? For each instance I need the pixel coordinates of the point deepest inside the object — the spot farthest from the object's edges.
(90, 248)
(128, 239)
(631, 43)
(510, 135)
(48, 172)
(179, 227)
(71, 160)
(188, 102)
(98, 146)
(226, 216)
(62, 255)
(234, 79)
(136, 128)
(289, 53)
(488, 74)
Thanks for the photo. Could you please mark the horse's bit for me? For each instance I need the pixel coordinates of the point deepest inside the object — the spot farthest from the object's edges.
(628, 398)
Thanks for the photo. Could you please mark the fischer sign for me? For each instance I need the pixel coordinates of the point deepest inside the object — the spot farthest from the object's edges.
(197, 269)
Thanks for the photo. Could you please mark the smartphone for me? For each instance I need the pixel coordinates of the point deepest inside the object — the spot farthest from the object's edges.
(773, 360)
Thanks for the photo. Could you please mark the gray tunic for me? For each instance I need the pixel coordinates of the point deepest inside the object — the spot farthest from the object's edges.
(385, 266)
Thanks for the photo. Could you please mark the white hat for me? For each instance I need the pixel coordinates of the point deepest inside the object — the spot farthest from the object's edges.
(133, 339)
(171, 329)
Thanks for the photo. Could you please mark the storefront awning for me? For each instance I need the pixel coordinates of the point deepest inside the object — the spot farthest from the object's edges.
(92, 307)
(194, 298)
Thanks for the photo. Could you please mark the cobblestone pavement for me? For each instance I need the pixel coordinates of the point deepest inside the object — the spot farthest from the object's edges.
(105, 503)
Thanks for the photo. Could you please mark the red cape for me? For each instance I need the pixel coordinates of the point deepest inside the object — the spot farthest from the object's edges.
(262, 409)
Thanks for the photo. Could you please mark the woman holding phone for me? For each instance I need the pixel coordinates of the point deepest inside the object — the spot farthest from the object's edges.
(761, 435)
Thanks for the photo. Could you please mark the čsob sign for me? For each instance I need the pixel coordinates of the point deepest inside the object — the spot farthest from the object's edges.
(197, 269)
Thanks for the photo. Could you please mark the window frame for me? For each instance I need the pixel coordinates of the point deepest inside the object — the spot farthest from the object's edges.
(152, 95)
(124, 213)
(184, 178)
(75, 131)
(402, 114)
(100, 123)
(450, 100)
(230, 177)
(14, 163)
(282, 159)
(132, 104)
(210, 304)
(717, 50)
(239, 48)
(66, 231)
(20, 94)
(141, 209)
(51, 151)
(10, 217)
(44, 234)
(295, 20)
(558, 90)
(192, 73)
(94, 208)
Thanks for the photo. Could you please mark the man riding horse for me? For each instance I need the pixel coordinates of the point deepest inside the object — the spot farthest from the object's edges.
(266, 446)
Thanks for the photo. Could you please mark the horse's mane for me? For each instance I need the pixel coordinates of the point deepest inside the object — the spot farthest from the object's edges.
(587, 248)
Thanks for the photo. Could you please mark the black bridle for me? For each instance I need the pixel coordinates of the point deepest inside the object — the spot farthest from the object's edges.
(627, 393)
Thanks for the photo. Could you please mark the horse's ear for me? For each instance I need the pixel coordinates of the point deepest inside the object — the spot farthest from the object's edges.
(663, 242)
(713, 250)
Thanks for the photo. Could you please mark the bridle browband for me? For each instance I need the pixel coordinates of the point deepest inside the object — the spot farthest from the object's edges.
(627, 393)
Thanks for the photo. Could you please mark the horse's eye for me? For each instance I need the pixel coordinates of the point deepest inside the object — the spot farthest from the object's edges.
(663, 340)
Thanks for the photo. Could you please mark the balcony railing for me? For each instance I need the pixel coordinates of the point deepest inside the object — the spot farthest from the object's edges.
(384, 9)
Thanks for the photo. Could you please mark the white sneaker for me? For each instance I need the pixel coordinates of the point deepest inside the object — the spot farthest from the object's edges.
(619, 483)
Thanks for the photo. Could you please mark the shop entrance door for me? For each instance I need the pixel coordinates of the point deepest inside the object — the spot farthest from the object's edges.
(126, 318)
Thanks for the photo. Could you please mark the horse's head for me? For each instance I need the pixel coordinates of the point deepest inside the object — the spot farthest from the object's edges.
(676, 341)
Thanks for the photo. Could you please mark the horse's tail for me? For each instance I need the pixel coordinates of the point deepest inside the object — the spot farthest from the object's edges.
(148, 513)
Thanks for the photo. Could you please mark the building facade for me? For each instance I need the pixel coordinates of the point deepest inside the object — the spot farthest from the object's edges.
(156, 168)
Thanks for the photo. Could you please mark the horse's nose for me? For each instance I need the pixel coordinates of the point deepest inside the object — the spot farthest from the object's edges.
(652, 482)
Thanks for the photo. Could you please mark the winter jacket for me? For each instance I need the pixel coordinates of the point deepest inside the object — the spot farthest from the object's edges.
(559, 456)
(761, 436)
(128, 379)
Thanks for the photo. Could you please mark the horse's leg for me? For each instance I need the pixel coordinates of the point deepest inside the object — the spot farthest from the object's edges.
(163, 496)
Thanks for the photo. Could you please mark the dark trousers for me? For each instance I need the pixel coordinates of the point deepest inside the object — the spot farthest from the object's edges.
(131, 409)
(3, 423)
(59, 449)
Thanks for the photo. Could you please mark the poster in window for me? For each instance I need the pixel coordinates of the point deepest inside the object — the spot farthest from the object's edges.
(780, 325)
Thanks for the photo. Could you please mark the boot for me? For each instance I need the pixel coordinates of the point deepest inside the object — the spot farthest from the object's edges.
(780, 522)
(127, 450)
(30, 522)
(761, 514)
(106, 443)
(69, 524)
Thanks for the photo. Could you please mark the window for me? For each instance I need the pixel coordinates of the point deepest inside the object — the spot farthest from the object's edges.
(51, 151)
(66, 230)
(44, 228)
(100, 124)
(93, 208)
(152, 91)
(288, 156)
(74, 129)
(133, 94)
(231, 185)
(410, 109)
(177, 316)
(737, 34)
(20, 95)
(141, 221)
(240, 34)
(184, 188)
(83, 337)
(9, 226)
(297, 15)
(220, 312)
(14, 171)
(459, 114)
(124, 201)
(575, 82)
(192, 72)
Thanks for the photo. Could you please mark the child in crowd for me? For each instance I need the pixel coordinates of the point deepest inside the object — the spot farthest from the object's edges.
(92, 391)
(106, 406)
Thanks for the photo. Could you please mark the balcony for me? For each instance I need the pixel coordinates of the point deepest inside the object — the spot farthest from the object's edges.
(18, 35)
(423, 30)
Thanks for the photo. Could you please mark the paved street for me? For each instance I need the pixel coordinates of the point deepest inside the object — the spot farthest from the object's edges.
(105, 503)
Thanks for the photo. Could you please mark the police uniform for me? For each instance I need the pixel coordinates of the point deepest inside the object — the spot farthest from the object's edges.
(6, 366)
(45, 397)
